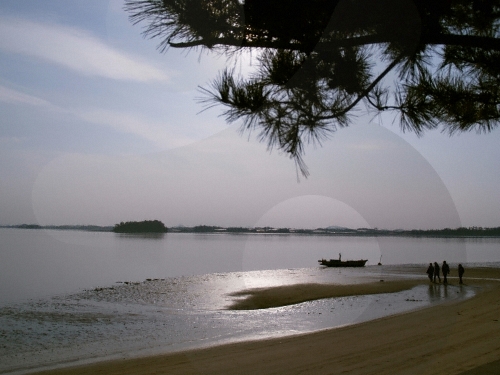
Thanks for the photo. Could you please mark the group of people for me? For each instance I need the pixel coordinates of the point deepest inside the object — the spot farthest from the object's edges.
(433, 272)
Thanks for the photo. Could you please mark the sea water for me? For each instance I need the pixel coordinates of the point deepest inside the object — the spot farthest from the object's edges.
(164, 315)
(109, 296)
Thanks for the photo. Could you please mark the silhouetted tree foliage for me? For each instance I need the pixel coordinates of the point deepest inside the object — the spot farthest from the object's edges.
(430, 62)
(146, 226)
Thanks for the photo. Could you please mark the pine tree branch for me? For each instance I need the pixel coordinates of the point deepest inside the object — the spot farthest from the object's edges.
(365, 91)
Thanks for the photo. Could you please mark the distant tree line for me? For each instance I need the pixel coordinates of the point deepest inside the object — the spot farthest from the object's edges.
(447, 232)
(459, 232)
(156, 226)
(217, 229)
(146, 226)
(86, 228)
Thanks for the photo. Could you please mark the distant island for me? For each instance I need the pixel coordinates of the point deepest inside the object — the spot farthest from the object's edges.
(156, 226)
(145, 226)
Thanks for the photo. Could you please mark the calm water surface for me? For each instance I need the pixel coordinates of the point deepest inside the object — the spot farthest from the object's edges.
(68, 297)
(42, 263)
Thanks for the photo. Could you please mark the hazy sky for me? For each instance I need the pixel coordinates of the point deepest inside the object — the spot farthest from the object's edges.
(98, 127)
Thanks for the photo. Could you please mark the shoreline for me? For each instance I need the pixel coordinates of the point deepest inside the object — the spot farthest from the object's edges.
(493, 232)
(456, 337)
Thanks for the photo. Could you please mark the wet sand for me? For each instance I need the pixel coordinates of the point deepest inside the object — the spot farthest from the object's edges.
(263, 298)
(456, 337)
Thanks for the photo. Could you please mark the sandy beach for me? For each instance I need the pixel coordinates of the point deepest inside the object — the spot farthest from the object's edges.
(456, 337)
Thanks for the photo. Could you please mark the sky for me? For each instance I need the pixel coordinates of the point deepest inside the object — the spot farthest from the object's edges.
(97, 127)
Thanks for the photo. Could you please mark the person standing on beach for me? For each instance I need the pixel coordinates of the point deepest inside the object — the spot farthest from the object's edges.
(461, 271)
(436, 272)
(430, 272)
(445, 268)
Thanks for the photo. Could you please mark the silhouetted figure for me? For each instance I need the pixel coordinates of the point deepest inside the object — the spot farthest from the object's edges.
(445, 268)
(436, 272)
(430, 272)
(461, 271)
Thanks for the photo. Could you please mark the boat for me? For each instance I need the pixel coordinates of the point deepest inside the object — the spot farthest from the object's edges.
(342, 263)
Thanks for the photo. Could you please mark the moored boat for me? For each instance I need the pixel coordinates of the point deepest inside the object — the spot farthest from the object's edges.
(342, 263)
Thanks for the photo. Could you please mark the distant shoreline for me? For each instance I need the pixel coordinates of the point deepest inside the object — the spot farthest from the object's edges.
(471, 232)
